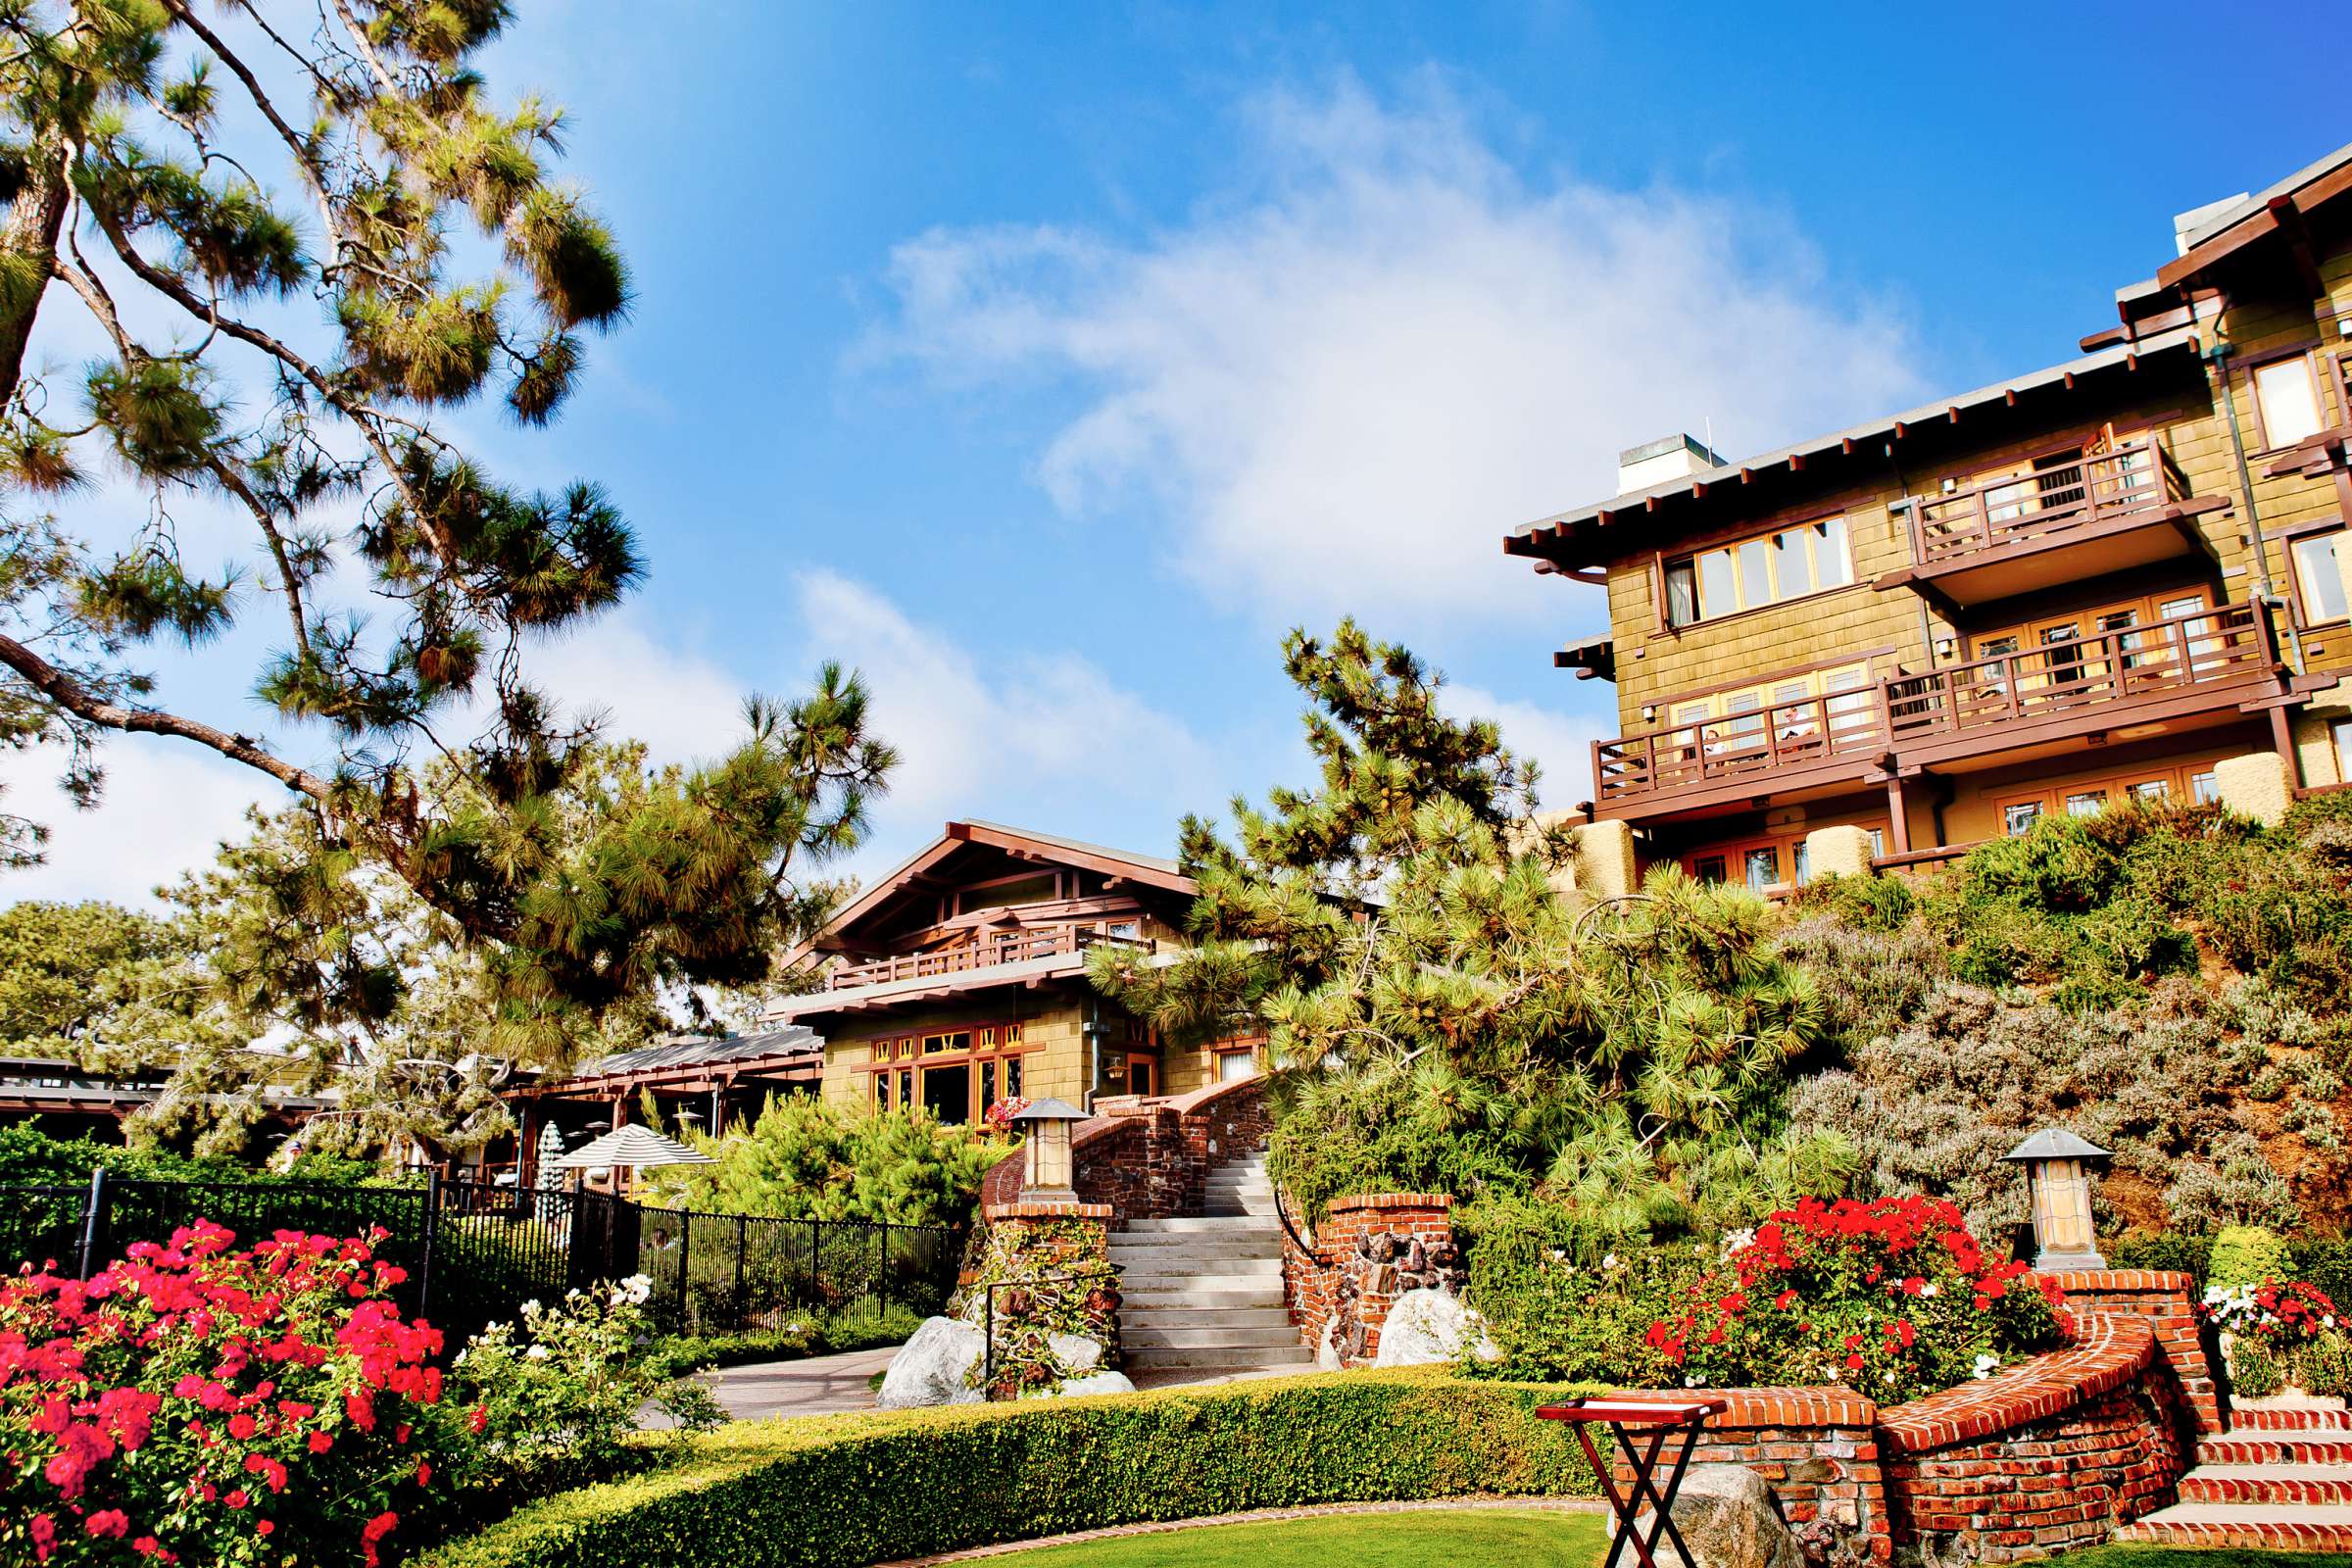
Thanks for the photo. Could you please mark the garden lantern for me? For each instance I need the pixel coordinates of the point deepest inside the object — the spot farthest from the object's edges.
(1047, 1124)
(2058, 1170)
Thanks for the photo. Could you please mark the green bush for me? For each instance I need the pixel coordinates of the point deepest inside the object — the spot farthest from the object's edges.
(2326, 1261)
(2188, 1252)
(826, 1491)
(2325, 1366)
(805, 1158)
(2253, 1371)
(1558, 1309)
(2248, 1254)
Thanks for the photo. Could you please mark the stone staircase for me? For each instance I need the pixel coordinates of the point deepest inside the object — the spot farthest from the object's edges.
(1206, 1295)
(2280, 1480)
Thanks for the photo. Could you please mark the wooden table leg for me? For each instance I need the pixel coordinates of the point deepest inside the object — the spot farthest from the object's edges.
(1618, 1505)
(1662, 1506)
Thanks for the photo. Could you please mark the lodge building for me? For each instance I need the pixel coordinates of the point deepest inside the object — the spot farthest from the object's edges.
(2125, 574)
(959, 979)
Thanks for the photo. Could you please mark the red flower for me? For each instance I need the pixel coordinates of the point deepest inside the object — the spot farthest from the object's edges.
(110, 1522)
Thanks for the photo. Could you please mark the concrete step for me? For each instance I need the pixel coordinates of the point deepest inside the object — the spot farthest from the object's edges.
(1270, 1336)
(1189, 1284)
(1148, 1252)
(1161, 1320)
(1233, 1356)
(1148, 1230)
(2261, 1526)
(2276, 1447)
(1207, 1299)
(2268, 1482)
(2292, 1418)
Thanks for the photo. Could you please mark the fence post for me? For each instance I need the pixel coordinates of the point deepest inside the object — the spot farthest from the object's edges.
(882, 1271)
(93, 1221)
(685, 1259)
(425, 1253)
(816, 1241)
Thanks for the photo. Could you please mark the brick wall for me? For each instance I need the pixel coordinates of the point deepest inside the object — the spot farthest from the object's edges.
(2168, 1305)
(1151, 1158)
(2043, 1456)
(1368, 1251)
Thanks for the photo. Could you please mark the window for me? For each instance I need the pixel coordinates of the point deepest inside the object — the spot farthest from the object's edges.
(2287, 396)
(1760, 868)
(2086, 803)
(1877, 842)
(2320, 577)
(2204, 788)
(2018, 817)
(1709, 869)
(2342, 732)
(1803, 869)
(1760, 571)
(2152, 790)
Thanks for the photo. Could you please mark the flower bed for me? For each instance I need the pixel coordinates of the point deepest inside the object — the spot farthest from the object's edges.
(1892, 1298)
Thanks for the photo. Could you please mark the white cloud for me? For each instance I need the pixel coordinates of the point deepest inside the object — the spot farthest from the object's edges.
(1559, 742)
(686, 707)
(1347, 378)
(1046, 740)
(168, 805)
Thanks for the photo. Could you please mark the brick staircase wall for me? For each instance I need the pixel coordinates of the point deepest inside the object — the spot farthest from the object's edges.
(1151, 1158)
(1368, 1251)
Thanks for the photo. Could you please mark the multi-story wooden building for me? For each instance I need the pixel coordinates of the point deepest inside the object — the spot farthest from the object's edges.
(959, 980)
(2127, 574)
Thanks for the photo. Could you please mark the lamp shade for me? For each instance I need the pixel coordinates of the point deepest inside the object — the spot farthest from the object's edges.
(2058, 1185)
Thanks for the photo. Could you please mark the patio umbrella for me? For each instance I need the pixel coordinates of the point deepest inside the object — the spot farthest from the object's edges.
(635, 1147)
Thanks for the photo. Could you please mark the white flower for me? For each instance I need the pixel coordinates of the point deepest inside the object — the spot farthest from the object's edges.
(537, 1352)
(1610, 1262)
(1928, 1289)
(531, 1307)
(1737, 1241)
(1985, 1365)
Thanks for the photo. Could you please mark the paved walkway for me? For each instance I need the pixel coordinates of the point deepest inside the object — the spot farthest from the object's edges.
(814, 1385)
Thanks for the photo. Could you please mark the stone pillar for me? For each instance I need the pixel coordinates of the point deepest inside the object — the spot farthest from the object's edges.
(2255, 785)
(1842, 851)
(1605, 865)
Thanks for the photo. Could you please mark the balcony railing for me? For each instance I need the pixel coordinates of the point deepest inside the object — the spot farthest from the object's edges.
(2135, 477)
(2080, 676)
(2081, 672)
(987, 953)
(1769, 740)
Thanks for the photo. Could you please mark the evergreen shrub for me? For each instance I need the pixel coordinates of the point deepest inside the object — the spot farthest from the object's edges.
(2248, 1254)
(829, 1492)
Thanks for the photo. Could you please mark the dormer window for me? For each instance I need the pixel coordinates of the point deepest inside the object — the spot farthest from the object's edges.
(1768, 570)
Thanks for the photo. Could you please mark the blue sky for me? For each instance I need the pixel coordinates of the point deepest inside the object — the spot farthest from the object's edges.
(1046, 362)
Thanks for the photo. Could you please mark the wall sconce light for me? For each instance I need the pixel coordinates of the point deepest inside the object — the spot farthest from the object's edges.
(2058, 1170)
(1649, 714)
(1944, 648)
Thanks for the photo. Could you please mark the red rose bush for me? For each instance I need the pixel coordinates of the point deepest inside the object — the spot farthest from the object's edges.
(1893, 1299)
(201, 1404)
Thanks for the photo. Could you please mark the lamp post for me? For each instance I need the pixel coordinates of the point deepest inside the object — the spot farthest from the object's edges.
(2058, 1174)
(1047, 1124)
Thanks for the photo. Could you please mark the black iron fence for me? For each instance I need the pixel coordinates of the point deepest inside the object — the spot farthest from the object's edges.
(475, 1253)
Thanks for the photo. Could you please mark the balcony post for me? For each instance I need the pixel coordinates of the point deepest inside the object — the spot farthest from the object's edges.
(1898, 814)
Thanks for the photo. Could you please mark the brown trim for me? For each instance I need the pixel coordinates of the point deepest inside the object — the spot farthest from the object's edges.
(1083, 860)
(1935, 580)
(1677, 633)
(2287, 538)
(1776, 522)
(1864, 656)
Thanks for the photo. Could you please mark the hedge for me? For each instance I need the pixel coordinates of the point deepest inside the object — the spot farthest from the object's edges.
(832, 1492)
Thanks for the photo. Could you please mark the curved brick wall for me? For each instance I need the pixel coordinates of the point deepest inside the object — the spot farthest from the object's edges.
(1148, 1159)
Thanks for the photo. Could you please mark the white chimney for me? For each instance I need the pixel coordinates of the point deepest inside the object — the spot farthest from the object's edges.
(1661, 461)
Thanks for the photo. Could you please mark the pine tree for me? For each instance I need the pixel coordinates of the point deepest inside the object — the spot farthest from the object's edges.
(424, 232)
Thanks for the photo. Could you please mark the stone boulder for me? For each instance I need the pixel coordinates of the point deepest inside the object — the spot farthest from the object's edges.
(1094, 1383)
(1729, 1520)
(932, 1367)
(1425, 1327)
(1076, 1352)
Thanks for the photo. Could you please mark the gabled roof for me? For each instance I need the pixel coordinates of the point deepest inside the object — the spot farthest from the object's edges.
(701, 1051)
(1149, 871)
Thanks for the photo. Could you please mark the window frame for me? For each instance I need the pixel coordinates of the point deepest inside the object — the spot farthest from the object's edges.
(1814, 527)
(2309, 354)
(889, 1058)
(2291, 539)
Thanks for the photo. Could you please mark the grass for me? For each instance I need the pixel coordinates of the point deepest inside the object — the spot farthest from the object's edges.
(1520, 1539)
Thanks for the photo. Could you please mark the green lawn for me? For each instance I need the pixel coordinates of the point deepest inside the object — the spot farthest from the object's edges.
(1474, 1539)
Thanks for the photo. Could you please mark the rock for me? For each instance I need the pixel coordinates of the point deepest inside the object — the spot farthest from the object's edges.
(1076, 1352)
(1729, 1520)
(1094, 1383)
(1425, 1327)
(931, 1367)
(1327, 1354)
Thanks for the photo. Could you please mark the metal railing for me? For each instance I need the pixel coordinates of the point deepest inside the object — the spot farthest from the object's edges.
(2204, 648)
(2133, 477)
(984, 955)
(475, 1253)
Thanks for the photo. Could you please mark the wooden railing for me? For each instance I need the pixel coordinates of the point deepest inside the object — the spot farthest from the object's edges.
(2133, 477)
(1769, 740)
(2033, 683)
(987, 953)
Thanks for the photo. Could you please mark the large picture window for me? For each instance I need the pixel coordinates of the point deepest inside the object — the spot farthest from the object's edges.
(1754, 572)
(2320, 579)
(2287, 396)
(955, 1074)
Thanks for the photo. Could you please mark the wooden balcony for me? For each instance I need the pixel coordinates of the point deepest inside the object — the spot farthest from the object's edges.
(2172, 673)
(988, 952)
(2105, 513)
